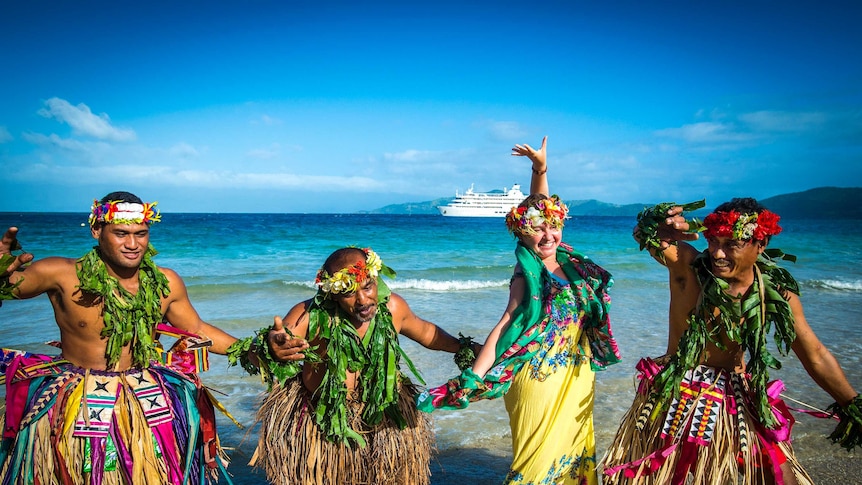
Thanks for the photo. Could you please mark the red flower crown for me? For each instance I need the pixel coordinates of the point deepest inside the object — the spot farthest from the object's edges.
(757, 226)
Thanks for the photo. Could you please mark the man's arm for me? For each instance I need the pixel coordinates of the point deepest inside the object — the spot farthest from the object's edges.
(817, 360)
(421, 331)
(181, 314)
(676, 254)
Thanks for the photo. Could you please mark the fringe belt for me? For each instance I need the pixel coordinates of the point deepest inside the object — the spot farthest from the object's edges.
(710, 432)
(68, 425)
(292, 450)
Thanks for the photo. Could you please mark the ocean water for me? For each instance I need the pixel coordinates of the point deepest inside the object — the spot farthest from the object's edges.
(242, 269)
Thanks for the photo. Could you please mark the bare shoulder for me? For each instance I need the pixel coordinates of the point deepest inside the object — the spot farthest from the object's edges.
(397, 305)
(298, 311)
(175, 281)
(296, 319)
(171, 274)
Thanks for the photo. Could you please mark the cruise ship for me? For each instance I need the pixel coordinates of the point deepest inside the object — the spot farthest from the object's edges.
(483, 204)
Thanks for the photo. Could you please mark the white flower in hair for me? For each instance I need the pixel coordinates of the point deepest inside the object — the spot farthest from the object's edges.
(536, 217)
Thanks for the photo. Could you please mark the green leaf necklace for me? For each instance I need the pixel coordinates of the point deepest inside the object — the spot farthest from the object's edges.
(744, 319)
(128, 319)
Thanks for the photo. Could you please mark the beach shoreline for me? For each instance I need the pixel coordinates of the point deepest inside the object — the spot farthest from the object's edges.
(825, 463)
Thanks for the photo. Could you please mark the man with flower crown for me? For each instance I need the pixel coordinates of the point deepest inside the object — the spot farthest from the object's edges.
(109, 409)
(706, 411)
(346, 414)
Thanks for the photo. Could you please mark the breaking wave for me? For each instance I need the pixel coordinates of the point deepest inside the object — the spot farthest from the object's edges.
(836, 285)
(423, 284)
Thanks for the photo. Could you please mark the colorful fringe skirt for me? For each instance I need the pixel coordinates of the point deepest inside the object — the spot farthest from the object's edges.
(292, 450)
(68, 425)
(709, 434)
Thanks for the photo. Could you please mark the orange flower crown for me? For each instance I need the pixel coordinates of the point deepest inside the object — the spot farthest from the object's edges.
(523, 220)
(756, 225)
(348, 280)
(118, 212)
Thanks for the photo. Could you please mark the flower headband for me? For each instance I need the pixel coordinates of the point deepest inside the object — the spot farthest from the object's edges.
(736, 225)
(348, 280)
(551, 211)
(118, 212)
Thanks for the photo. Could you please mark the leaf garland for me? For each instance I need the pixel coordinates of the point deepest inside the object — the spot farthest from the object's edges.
(742, 320)
(128, 319)
(7, 289)
(271, 371)
(848, 432)
(465, 356)
(651, 218)
(375, 358)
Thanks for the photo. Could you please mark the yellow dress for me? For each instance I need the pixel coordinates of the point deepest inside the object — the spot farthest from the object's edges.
(550, 403)
(545, 367)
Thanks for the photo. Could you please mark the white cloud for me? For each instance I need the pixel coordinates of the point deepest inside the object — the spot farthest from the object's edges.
(161, 175)
(705, 132)
(184, 150)
(783, 121)
(54, 140)
(503, 130)
(273, 151)
(266, 120)
(5, 136)
(412, 156)
(84, 122)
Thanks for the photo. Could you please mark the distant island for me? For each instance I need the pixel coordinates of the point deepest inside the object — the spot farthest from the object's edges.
(822, 202)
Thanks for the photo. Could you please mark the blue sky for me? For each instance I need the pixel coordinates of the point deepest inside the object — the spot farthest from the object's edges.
(323, 106)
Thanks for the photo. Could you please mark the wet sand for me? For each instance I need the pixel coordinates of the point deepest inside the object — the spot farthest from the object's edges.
(827, 463)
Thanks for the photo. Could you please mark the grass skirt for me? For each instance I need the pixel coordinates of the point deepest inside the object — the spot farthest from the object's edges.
(292, 450)
(68, 425)
(710, 435)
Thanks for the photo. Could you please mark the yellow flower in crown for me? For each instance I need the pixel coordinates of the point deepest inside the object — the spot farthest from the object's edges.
(348, 280)
(551, 211)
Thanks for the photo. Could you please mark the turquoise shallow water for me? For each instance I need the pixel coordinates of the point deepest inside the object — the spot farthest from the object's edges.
(241, 269)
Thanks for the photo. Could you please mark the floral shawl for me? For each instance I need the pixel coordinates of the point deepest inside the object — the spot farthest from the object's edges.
(519, 342)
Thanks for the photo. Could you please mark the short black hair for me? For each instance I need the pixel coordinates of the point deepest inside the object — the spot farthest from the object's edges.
(743, 205)
(121, 196)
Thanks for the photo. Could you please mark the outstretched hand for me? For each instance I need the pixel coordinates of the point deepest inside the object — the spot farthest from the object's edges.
(538, 157)
(676, 228)
(283, 344)
(8, 244)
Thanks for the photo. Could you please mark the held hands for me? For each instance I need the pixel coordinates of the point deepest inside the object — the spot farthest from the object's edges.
(8, 261)
(538, 157)
(284, 346)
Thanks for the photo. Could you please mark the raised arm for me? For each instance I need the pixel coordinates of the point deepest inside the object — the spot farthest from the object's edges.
(539, 179)
(421, 331)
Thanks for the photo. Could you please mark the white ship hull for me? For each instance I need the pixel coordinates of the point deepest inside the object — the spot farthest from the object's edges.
(483, 204)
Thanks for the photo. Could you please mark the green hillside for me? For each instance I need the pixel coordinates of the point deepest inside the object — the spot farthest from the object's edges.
(822, 202)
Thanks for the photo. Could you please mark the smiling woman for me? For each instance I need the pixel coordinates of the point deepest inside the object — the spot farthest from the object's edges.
(542, 354)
